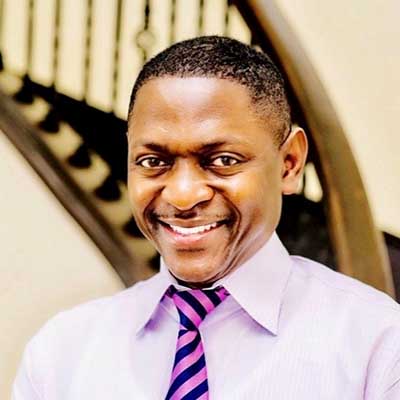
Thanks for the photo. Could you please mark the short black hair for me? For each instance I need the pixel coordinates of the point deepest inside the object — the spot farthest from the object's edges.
(225, 58)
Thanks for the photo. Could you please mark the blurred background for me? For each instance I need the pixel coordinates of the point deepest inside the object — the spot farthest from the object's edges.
(66, 71)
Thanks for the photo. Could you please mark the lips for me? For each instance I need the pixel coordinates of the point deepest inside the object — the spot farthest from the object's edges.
(187, 231)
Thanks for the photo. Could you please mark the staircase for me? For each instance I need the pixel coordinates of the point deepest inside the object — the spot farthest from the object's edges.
(65, 83)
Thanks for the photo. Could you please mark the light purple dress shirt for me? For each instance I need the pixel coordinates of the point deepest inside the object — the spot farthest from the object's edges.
(291, 329)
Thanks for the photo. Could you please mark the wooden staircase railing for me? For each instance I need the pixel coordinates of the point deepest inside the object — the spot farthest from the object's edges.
(26, 139)
(358, 246)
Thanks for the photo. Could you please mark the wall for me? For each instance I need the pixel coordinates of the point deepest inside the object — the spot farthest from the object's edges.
(355, 47)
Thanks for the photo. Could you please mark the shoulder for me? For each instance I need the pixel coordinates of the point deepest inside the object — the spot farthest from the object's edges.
(71, 335)
(356, 323)
(74, 327)
(96, 310)
(67, 337)
(343, 292)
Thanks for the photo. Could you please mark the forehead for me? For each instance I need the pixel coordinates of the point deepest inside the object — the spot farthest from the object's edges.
(194, 98)
(193, 112)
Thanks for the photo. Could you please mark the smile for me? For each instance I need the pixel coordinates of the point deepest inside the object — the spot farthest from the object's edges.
(191, 230)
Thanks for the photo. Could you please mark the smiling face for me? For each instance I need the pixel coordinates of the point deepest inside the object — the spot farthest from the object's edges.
(205, 178)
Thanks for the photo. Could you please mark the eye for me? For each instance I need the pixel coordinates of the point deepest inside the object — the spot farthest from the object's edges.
(224, 161)
(151, 162)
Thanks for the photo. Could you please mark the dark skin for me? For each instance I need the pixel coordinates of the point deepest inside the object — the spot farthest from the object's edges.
(205, 177)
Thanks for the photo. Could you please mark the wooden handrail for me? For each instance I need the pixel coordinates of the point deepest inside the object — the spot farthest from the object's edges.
(358, 245)
(26, 139)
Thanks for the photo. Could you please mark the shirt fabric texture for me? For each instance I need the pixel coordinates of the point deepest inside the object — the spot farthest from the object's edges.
(290, 329)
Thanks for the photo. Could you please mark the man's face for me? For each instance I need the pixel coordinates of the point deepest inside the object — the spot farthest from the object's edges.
(205, 177)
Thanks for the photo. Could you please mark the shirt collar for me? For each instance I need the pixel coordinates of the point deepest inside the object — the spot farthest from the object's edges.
(259, 284)
(149, 295)
(266, 274)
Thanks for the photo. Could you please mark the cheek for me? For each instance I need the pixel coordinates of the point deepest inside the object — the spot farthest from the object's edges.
(139, 194)
(257, 196)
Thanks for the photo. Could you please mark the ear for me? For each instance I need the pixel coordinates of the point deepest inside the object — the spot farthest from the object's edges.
(294, 154)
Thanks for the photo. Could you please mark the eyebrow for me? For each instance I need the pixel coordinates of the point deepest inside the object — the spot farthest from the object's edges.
(159, 148)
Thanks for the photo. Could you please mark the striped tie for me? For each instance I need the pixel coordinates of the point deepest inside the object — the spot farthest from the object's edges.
(189, 374)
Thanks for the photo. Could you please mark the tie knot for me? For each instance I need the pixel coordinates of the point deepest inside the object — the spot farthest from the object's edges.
(193, 305)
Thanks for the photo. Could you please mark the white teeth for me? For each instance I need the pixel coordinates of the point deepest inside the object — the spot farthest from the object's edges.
(195, 229)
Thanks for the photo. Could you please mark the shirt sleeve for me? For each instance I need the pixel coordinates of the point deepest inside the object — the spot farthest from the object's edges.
(392, 389)
(36, 370)
(383, 381)
(393, 393)
(24, 388)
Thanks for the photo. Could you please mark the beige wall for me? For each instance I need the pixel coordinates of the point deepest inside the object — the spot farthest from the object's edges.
(47, 262)
(355, 47)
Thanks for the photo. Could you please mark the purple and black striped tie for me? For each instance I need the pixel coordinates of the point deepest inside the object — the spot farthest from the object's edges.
(189, 373)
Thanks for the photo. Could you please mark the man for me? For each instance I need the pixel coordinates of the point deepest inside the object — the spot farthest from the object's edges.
(230, 315)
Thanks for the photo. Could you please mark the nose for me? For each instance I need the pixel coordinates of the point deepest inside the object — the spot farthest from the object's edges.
(186, 186)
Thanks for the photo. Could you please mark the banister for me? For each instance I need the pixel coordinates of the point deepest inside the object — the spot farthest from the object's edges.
(26, 139)
(358, 245)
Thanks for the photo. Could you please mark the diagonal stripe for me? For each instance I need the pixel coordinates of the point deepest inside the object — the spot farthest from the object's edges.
(189, 385)
(187, 310)
(191, 299)
(197, 391)
(187, 349)
(186, 322)
(205, 301)
(187, 361)
(182, 331)
(171, 291)
(222, 293)
(185, 339)
(204, 396)
(212, 296)
(186, 375)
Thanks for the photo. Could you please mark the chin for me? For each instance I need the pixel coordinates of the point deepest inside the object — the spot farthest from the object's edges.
(189, 276)
(193, 275)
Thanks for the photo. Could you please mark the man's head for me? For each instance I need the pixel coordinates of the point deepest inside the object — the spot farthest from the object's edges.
(210, 154)
(225, 58)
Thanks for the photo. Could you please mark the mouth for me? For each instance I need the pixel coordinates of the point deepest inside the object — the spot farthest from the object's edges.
(192, 230)
(190, 234)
